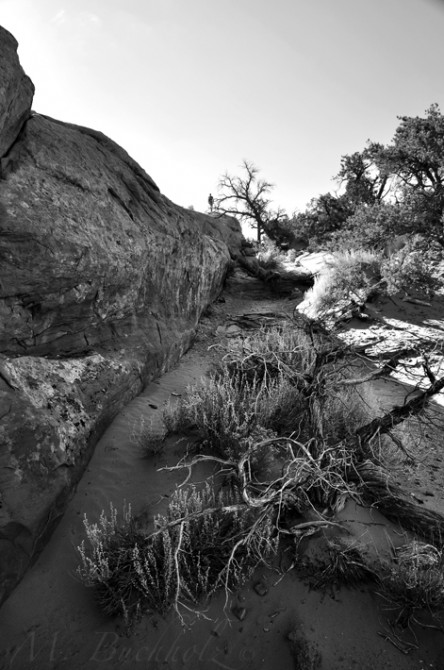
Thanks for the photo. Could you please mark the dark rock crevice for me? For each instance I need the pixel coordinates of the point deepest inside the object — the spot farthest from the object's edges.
(116, 196)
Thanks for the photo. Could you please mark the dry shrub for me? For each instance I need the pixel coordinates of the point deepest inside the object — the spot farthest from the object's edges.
(281, 349)
(206, 540)
(408, 271)
(415, 581)
(351, 276)
(224, 410)
(148, 437)
(250, 390)
(345, 566)
(270, 259)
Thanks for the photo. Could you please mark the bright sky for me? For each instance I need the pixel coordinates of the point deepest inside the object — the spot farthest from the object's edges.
(192, 87)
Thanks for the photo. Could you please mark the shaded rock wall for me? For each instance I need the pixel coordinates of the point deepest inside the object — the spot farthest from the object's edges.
(102, 282)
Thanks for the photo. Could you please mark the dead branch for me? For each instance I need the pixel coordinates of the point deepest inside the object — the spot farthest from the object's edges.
(397, 415)
(386, 369)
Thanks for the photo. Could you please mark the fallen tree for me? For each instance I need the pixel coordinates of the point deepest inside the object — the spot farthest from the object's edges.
(282, 420)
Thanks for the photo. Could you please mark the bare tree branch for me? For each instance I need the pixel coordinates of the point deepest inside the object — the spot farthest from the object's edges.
(246, 197)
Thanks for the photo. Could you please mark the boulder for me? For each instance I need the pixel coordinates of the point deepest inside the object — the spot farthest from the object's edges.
(16, 92)
(102, 282)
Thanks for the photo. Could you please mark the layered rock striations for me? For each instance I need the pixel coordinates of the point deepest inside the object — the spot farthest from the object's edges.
(102, 282)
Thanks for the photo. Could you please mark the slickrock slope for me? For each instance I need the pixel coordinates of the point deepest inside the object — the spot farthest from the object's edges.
(102, 282)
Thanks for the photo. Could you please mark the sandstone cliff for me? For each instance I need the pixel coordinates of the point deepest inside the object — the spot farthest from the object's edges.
(102, 282)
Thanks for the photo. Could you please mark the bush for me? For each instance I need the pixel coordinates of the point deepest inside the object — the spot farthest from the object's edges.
(371, 226)
(408, 270)
(415, 582)
(351, 276)
(345, 565)
(148, 437)
(270, 258)
(283, 350)
(227, 408)
(255, 388)
(205, 541)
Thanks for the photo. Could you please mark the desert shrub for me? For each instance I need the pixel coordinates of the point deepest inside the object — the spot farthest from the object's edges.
(355, 276)
(222, 409)
(282, 350)
(284, 409)
(408, 270)
(148, 437)
(291, 255)
(350, 276)
(415, 581)
(228, 407)
(345, 565)
(269, 260)
(206, 540)
(270, 257)
(253, 388)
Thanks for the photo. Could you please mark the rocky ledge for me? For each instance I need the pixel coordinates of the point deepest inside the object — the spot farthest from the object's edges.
(102, 283)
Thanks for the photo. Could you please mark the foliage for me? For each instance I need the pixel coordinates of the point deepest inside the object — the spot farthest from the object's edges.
(383, 190)
(350, 276)
(270, 257)
(355, 276)
(323, 216)
(205, 541)
(291, 437)
(416, 156)
(363, 183)
(228, 407)
(370, 227)
(343, 412)
(280, 350)
(408, 271)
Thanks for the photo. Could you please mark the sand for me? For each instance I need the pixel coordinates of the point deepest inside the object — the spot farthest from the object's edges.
(51, 620)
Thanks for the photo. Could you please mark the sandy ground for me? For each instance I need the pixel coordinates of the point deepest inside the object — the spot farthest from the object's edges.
(51, 620)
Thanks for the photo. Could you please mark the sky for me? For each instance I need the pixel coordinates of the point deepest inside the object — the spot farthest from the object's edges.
(191, 88)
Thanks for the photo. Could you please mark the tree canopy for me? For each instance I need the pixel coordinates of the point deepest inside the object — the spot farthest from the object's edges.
(384, 190)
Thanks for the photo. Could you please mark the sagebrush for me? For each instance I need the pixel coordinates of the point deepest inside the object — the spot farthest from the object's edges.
(204, 541)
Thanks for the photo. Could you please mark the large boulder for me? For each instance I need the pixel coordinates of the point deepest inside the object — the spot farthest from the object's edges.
(16, 92)
(102, 282)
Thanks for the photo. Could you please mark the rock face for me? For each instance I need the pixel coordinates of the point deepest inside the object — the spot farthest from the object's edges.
(102, 282)
(16, 92)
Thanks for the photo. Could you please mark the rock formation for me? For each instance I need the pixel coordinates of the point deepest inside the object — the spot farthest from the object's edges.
(102, 282)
